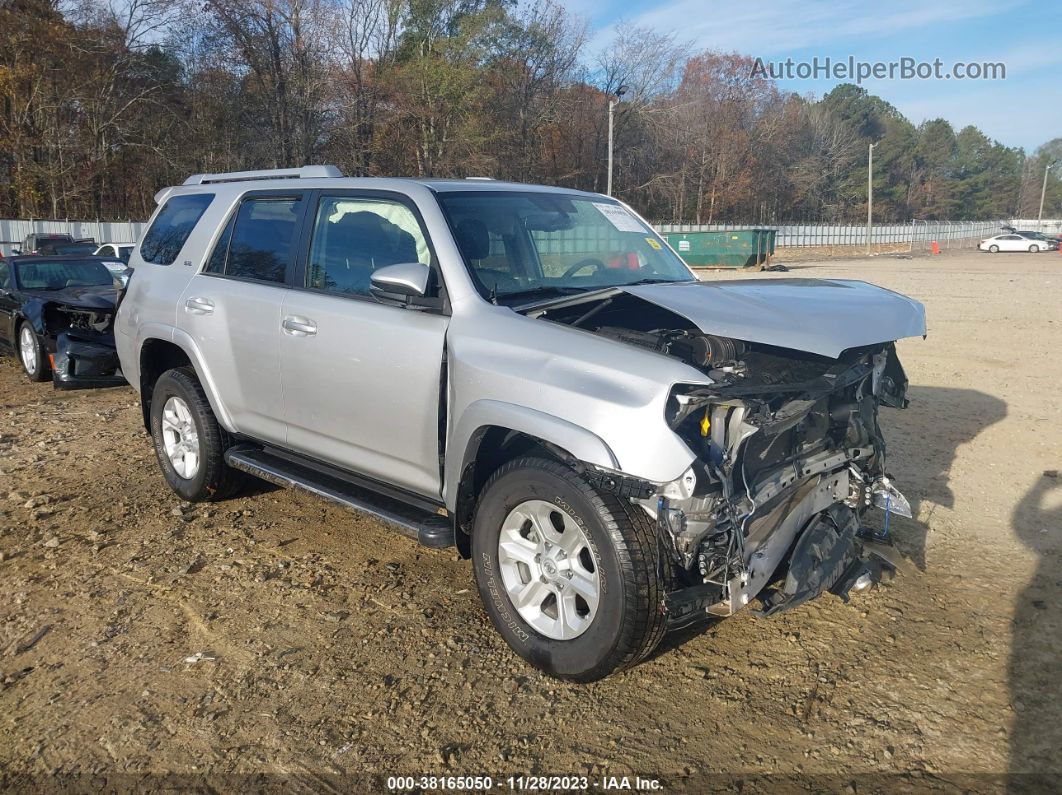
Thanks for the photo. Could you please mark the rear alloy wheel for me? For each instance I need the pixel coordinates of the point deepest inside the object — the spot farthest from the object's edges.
(180, 438)
(993, 249)
(570, 576)
(31, 354)
(189, 443)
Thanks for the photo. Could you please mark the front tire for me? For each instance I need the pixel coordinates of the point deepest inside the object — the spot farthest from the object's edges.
(31, 354)
(572, 578)
(189, 443)
(1034, 249)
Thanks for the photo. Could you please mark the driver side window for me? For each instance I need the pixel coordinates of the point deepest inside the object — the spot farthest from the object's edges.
(352, 237)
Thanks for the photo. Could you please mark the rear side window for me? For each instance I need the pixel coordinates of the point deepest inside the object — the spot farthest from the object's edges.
(258, 242)
(167, 235)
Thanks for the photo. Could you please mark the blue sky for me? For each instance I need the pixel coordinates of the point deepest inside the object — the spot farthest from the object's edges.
(1025, 109)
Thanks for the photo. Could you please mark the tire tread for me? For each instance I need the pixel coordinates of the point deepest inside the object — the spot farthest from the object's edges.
(638, 551)
(220, 481)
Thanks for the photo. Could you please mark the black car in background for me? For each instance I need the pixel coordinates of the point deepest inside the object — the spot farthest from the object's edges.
(1053, 240)
(57, 317)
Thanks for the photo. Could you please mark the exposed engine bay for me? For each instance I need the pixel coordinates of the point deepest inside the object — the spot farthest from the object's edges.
(790, 457)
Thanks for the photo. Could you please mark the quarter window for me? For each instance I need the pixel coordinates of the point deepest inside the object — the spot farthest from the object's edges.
(5, 276)
(354, 237)
(172, 226)
(259, 242)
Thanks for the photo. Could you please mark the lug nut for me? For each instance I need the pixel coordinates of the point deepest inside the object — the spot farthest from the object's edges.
(568, 574)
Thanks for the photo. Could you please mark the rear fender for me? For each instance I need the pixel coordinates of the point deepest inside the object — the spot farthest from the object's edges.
(186, 343)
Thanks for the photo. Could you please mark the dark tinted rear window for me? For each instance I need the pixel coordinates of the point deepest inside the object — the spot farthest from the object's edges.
(70, 248)
(167, 235)
(258, 242)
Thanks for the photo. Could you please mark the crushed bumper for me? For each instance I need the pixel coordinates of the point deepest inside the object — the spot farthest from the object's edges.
(81, 364)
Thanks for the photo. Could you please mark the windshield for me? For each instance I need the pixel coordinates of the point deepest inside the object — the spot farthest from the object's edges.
(521, 244)
(57, 275)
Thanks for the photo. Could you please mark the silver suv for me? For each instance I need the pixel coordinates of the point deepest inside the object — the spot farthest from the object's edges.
(530, 374)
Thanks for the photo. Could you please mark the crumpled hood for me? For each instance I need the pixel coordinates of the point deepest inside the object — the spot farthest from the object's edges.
(101, 297)
(823, 316)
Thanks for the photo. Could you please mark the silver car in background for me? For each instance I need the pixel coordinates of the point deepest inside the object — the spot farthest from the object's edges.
(530, 374)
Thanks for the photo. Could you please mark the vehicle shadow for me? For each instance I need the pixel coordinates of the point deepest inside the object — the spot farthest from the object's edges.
(921, 446)
(1035, 668)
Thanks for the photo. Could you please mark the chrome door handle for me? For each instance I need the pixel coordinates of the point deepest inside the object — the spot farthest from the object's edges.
(199, 306)
(299, 326)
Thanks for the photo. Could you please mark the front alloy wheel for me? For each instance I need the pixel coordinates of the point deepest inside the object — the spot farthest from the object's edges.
(31, 354)
(548, 569)
(571, 577)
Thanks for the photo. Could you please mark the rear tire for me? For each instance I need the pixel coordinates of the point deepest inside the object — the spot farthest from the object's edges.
(618, 553)
(31, 354)
(993, 249)
(189, 443)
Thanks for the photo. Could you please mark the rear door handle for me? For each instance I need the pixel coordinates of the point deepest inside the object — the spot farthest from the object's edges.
(298, 326)
(199, 306)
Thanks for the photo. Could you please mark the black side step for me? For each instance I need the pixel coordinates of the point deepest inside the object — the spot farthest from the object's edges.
(430, 529)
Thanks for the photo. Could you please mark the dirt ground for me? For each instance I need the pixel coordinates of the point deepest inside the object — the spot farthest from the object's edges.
(277, 641)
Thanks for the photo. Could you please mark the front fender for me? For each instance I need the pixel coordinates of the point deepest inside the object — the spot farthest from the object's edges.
(33, 312)
(482, 414)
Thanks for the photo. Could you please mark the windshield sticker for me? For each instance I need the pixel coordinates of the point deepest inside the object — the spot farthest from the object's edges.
(653, 244)
(619, 217)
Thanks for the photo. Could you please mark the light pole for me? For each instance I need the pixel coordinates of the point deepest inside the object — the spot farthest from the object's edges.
(1043, 192)
(870, 192)
(611, 112)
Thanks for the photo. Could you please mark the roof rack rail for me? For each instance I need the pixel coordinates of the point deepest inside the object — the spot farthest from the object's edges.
(480, 179)
(306, 172)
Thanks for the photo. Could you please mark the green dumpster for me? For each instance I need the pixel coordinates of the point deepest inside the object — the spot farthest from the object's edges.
(744, 248)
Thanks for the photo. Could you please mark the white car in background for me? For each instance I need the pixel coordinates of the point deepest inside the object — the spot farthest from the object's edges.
(121, 251)
(1013, 242)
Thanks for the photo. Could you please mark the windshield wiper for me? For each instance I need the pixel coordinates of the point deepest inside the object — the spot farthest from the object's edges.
(542, 289)
(655, 281)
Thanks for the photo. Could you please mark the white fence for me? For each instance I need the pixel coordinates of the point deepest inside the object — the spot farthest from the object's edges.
(13, 232)
(918, 234)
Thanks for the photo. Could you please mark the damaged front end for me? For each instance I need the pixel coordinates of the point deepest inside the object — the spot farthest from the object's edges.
(80, 346)
(790, 457)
